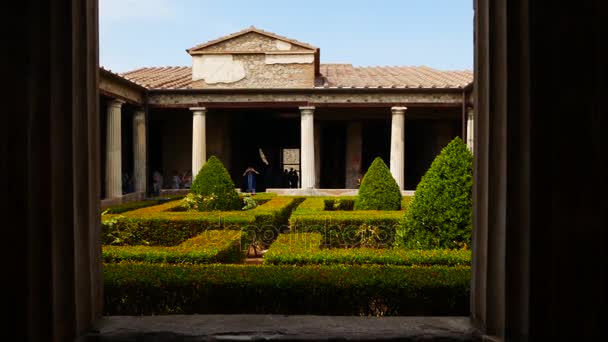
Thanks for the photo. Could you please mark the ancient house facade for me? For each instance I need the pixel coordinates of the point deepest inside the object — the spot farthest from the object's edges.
(254, 98)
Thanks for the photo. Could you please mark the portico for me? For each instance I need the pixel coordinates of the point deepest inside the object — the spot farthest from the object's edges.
(255, 98)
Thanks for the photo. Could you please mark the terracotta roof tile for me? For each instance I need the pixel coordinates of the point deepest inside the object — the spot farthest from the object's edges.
(332, 76)
(161, 77)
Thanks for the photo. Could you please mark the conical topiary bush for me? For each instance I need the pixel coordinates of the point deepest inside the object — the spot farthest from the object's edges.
(378, 190)
(440, 215)
(216, 188)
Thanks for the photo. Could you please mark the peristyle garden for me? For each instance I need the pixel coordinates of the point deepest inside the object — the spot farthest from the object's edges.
(379, 253)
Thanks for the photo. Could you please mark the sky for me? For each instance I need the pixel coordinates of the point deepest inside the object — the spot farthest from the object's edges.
(435, 33)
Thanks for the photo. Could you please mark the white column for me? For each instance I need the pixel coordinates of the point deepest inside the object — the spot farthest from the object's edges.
(307, 148)
(397, 163)
(199, 139)
(139, 150)
(470, 128)
(113, 150)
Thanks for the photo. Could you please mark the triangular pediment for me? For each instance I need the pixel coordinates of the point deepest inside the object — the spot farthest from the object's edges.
(252, 40)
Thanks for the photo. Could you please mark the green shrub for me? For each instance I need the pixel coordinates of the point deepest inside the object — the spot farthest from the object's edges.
(378, 190)
(153, 289)
(305, 249)
(209, 247)
(215, 186)
(342, 228)
(440, 215)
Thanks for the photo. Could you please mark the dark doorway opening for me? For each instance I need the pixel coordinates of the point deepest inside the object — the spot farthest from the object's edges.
(376, 142)
(333, 150)
(155, 143)
(260, 137)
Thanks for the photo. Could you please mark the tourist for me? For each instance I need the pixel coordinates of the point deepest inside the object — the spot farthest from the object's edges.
(293, 178)
(175, 180)
(157, 184)
(285, 179)
(187, 180)
(250, 173)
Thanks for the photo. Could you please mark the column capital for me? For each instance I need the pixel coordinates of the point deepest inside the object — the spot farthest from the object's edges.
(307, 109)
(139, 112)
(470, 111)
(198, 110)
(398, 109)
(117, 103)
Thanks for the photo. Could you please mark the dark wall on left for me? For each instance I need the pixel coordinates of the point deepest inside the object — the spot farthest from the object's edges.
(50, 170)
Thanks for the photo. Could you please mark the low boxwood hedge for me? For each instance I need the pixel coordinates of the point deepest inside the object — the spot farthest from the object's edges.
(152, 289)
(121, 208)
(339, 203)
(211, 246)
(160, 226)
(341, 228)
(306, 248)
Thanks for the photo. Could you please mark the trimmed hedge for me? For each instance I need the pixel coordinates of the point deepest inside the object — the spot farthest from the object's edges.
(209, 247)
(305, 248)
(214, 183)
(121, 208)
(153, 289)
(339, 203)
(378, 190)
(159, 226)
(440, 216)
(340, 228)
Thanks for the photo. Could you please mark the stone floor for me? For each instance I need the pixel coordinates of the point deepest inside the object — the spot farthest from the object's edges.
(191, 328)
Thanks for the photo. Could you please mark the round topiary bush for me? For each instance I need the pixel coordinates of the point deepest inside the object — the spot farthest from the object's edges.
(214, 185)
(378, 190)
(440, 215)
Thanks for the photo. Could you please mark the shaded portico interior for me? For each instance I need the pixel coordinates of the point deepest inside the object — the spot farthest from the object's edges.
(346, 139)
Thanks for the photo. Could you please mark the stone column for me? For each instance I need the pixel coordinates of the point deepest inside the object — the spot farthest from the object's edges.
(397, 163)
(354, 143)
(199, 139)
(113, 150)
(470, 128)
(307, 148)
(139, 150)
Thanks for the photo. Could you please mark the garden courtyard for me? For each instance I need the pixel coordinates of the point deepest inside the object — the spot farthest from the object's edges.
(217, 251)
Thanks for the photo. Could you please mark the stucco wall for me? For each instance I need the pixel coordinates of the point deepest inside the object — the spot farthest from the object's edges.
(252, 71)
(253, 61)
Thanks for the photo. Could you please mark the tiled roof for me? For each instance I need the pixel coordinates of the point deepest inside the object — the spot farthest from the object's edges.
(332, 76)
(161, 77)
(249, 30)
(347, 76)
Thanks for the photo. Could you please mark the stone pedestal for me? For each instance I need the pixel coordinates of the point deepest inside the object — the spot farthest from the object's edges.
(307, 148)
(139, 150)
(199, 137)
(354, 143)
(113, 150)
(397, 163)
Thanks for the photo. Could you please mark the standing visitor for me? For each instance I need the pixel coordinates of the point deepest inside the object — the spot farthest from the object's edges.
(157, 179)
(176, 180)
(187, 180)
(250, 174)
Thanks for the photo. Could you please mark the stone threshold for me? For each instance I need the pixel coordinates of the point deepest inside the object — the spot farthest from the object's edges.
(190, 328)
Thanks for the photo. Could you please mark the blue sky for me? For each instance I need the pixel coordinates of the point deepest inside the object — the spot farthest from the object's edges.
(436, 33)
